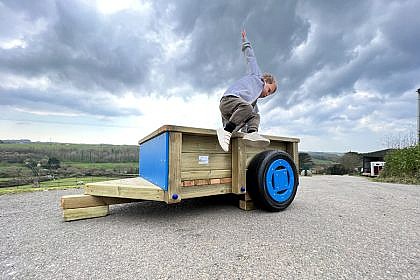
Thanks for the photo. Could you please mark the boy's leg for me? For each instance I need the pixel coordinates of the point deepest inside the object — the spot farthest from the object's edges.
(253, 123)
(237, 111)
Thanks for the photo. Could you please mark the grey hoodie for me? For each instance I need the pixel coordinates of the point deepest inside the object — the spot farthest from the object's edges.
(250, 86)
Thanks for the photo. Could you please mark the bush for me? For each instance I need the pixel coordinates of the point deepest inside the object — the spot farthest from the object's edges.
(403, 165)
(336, 169)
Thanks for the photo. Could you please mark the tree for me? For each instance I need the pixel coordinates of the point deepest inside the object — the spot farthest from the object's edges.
(53, 163)
(336, 169)
(351, 161)
(305, 161)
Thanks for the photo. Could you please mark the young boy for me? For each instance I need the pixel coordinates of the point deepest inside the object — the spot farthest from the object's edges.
(239, 103)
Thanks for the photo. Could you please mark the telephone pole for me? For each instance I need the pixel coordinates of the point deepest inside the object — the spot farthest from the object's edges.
(418, 116)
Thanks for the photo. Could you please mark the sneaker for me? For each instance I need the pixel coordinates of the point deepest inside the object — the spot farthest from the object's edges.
(224, 138)
(255, 140)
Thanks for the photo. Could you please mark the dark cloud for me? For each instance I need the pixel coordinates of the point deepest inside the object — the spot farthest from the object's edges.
(83, 49)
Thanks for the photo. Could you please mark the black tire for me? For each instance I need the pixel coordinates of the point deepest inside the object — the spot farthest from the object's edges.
(270, 191)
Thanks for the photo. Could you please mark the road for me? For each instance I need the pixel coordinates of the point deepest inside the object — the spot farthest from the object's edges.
(338, 227)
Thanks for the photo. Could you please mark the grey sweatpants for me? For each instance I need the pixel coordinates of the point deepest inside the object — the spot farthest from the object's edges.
(238, 111)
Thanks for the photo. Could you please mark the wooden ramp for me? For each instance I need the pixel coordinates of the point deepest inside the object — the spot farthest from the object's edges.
(134, 188)
(98, 196)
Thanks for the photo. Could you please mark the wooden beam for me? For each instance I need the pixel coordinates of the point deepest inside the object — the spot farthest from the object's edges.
(200, 182)
(174, 178)
(245, 203)
(238, 165)
(82, 201)
(85, 213)
(207, 190)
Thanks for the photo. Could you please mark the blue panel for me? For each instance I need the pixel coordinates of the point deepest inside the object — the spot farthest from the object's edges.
(154, 160)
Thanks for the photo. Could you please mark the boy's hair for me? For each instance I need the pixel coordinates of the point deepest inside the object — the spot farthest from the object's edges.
(269, 79)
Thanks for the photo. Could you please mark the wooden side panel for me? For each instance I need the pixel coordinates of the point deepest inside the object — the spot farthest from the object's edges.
(205, 190)
(206, 174)
(203, 158)
(274, 145)
(174, 179)
(216, 161)
(85, 213)
(196, 143)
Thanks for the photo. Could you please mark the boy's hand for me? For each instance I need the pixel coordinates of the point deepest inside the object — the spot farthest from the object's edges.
(243, 35)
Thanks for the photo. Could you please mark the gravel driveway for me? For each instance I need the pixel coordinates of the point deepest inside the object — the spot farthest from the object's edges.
(338, 227)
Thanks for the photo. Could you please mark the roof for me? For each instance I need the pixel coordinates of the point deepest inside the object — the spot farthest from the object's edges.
(379, 154)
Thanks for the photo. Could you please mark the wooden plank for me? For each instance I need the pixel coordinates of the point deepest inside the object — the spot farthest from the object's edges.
(181, 129)
(136, 188)
(190, 162)
(200, 143)
(246, 205)
(238, 165)
(295, 154)
(82, 201)
(208, 132)
(274, 145)
(85, 213)
(200, 182)
(206, 190)
(125, 192)
(206, 174)
(174, 179)
(214, 181)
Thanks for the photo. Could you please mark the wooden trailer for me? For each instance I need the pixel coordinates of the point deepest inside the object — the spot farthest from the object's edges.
(177, 163)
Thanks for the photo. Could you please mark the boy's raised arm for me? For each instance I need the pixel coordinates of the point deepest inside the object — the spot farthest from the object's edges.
(252, 65)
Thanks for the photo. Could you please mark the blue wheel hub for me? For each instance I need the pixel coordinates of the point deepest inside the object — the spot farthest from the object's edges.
(280, 180)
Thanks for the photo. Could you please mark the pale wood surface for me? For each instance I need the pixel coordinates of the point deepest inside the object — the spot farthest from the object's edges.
(136, 188)
(85, 213)
(82, 201)
(205, 131)
(189, 161)
(174, 181)
(238, 165)
(246, 205)
(205, 174)
(205, 190)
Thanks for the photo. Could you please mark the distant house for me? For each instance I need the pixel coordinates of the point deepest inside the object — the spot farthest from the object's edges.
(374, 162)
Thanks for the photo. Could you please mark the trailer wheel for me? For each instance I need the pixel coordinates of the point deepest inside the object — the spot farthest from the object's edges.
(272, 180)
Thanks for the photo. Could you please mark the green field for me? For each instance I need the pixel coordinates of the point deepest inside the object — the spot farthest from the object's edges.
(102, 165)
(55, 184)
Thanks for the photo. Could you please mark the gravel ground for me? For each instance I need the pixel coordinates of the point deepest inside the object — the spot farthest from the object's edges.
(338, 227)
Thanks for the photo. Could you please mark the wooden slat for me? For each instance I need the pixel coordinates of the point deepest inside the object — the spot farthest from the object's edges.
(204, 131)
(136, 188)
(189, 161)
(238, 165)
(207, 190)
(85, 213)
(175, 146)
(246, 205)
(199, 143)
(200, 182)
(82, 201)
(206, 174)
(274, 145)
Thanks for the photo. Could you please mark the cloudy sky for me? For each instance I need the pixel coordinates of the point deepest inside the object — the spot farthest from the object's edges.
(113, 71)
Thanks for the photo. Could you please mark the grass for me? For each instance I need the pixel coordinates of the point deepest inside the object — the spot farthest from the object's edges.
(105, 165)
(398, 180)
(60, 184)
